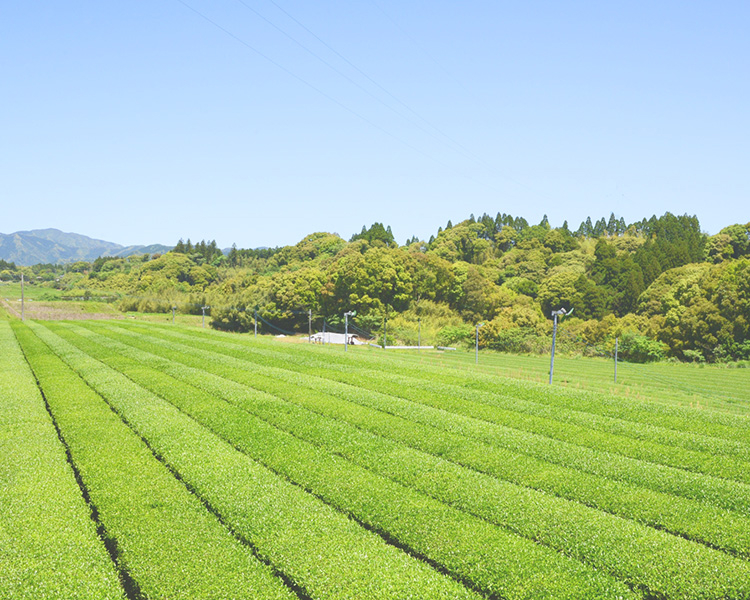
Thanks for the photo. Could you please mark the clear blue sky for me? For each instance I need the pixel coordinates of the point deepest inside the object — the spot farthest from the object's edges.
(146, 121)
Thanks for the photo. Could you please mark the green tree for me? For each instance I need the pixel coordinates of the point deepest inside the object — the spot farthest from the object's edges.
(738, 239)
(558, 291)
(376, 235)
(640, 349)
(377, 280)
(589, 300)
(719, 248)
(620, 275)
(506, 238)
(432, 277)
(462, 242)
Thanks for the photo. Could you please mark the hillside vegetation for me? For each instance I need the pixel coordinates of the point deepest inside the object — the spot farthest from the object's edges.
(661, 285)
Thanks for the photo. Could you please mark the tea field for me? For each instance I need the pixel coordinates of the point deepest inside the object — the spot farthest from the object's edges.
(154, 461)
(724, 387)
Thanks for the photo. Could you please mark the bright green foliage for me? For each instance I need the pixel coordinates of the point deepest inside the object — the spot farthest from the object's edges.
(489, 558)
(469, 484)
(559, 291)
(619, 278)
(49, 547)
(464, 242)
(730, 242)
(640, 349)
(704, 307)
(499, 502)
(319, 248)
(622, 438)
(164, 539)
(322, 551)
(376, 235)
(377, 280)
(730, 495)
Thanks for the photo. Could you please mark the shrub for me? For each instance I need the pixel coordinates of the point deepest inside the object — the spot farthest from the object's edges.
(455, 335)
(227, 318)
(640, 349)
(514, 339)
(693, 356)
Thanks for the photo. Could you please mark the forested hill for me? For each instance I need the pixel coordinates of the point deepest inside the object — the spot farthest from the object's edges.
(661, 285)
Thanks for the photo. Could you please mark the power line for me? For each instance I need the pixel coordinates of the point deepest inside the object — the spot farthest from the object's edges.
(456, 144)
(413, 41)
(311, 52)
(456, 80)
(361, 331)
(312, 86)
(284, 331)
(327, 327)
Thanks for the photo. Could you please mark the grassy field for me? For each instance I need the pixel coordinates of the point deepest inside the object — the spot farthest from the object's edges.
(214, 465)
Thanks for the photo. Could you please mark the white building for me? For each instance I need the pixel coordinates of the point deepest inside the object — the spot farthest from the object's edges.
(328, 337)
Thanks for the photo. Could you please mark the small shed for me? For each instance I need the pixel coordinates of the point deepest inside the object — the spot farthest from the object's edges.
(328, 337)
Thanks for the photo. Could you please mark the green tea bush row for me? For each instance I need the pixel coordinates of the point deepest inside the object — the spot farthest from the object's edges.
(722, 493)
(49, 547)
(578, 428)
(578, 407)
(166, 541)
(659, 562)
(621, 437)
(489, 558)
(583, 408)
(695, 519)
(711, 423)
(318, 548)
(526, 397)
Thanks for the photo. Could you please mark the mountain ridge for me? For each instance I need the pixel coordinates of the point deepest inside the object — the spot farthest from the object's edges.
(54, 246)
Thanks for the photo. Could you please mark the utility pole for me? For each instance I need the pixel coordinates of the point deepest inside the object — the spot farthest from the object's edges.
(385, 331)
(351, 313)
(555, 313)
(419, 333)
(617, 339)
(255, 318)
(23, 313)
(204, 308)
(476, 344)
(309, 325)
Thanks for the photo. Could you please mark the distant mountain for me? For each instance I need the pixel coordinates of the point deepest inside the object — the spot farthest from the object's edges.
(55, 246)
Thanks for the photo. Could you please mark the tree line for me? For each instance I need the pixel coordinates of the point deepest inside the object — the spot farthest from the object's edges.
(661, 285)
